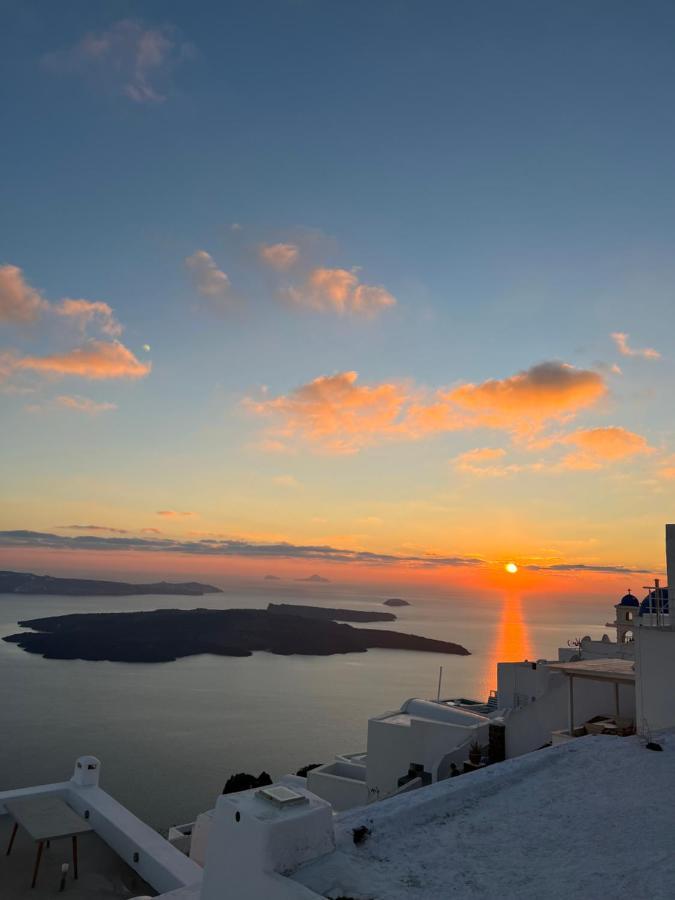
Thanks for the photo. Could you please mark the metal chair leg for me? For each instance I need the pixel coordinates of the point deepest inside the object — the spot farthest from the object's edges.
(11, 840)
(74, 856)
(37, 862)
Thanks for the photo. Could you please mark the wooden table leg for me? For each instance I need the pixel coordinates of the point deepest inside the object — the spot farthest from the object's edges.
(11, 840)
(75, 855)
(37, 862)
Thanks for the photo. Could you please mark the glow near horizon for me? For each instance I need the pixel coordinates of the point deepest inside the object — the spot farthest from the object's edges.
(204, 383)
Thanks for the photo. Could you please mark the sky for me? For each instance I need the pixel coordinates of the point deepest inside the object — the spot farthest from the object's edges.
(379, 292)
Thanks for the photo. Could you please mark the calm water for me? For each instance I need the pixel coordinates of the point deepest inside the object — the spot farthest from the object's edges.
(170, 734)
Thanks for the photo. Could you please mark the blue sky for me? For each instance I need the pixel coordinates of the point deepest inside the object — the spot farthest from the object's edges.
(503, 170)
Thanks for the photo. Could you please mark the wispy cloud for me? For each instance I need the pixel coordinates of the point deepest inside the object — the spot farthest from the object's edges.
(105, 528)
(279, 256)
(316, 553)
(485, 463)
(209, 280)
(584, 567)
(84, 404)
(84, 312)
(287, 481)
(174, 513)
(19, 302)
(596, 449)
(340, 291)
(667, 468)
(129, 58)
(620, 338)
(96, 360)
(336, 414)
(599, 446)
(227, 548)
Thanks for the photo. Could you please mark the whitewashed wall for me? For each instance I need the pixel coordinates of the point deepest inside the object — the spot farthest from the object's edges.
(655, 678)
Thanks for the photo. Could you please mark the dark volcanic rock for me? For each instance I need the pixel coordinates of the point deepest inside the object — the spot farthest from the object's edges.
(396, 601)
(326, 612)
(25, 583)
(167, 634)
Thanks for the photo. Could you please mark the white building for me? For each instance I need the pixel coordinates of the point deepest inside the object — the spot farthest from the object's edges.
(571, 820)
(408, 748)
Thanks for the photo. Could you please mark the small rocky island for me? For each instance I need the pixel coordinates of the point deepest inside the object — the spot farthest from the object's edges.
(396, 601)
(27, 583)
(164, 635)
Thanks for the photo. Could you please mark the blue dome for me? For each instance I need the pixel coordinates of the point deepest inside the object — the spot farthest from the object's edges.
(629, 600)
(648, 605)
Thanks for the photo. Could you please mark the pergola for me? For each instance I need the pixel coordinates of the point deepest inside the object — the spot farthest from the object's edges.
(614, 671)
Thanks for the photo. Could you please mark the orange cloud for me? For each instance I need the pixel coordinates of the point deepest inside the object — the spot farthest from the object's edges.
(340, 291)
(483, 462)
(620, 338)
(598, 446)
(209, 280)
(341, 416)
(19, 302)
(83, 312)
(333, 411)
(84, 405)
(279, 256)
(96, 360)
(173, 513)
(667, 468)
(545, 392)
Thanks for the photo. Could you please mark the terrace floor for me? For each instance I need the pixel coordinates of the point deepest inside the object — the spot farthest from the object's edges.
(102, 874)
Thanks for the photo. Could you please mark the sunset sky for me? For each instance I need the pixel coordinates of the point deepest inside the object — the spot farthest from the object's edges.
(376, 291)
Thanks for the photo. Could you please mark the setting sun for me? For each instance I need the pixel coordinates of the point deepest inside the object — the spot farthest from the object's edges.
(511, 568)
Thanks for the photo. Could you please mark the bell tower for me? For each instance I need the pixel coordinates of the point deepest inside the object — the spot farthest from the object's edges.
(626, 611)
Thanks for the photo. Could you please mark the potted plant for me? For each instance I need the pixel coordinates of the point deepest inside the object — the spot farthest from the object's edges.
(475, 753)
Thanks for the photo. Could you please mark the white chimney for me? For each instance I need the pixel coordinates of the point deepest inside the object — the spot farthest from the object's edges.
(87, 771)
(260, 835)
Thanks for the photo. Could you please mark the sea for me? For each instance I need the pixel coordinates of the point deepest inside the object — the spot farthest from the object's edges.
(170, 734)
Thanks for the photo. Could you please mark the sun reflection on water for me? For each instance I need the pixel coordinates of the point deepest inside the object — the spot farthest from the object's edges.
(512, 642)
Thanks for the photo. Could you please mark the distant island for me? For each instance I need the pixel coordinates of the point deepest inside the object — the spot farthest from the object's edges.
(164, 635)
(27, 583)
(396, 601)
(316, 579)
(325, 612)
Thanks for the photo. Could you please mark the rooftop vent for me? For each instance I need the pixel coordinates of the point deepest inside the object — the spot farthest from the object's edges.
(281, 796)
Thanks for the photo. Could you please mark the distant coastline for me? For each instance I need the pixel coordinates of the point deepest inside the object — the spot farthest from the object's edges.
(27, 583)
(329, 613)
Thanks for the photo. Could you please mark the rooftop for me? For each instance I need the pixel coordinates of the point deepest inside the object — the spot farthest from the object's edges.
(102, 874)
(598, 669)
(549, 824)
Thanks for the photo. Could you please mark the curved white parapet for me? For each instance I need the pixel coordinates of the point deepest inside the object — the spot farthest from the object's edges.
(144, 850)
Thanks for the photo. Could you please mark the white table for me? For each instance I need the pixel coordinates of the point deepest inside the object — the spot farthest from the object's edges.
(45, 818)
